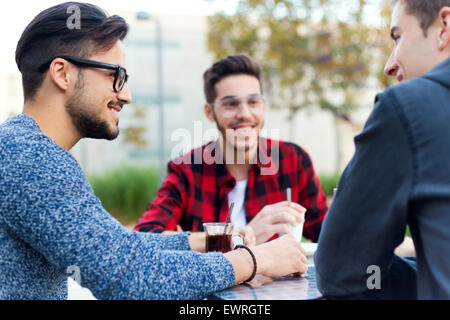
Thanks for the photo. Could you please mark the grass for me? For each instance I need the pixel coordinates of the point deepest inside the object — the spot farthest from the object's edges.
(329, 182)
(126, 191)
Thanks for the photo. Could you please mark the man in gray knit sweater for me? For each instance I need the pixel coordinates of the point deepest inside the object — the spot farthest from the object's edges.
(51, 223)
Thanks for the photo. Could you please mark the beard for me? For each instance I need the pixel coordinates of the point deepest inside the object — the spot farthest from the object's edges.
(88, 124)
(240, 151)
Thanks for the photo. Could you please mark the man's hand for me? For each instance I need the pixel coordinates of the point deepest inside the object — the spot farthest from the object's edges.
(275, 258)
(280, 257)
(276, 218)
(406, 248)
(248, 235)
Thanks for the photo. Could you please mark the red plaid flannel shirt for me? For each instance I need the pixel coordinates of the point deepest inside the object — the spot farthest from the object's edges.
(196, 189)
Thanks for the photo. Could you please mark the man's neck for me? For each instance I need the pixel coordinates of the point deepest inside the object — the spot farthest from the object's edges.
(54, 122)
(239, 171)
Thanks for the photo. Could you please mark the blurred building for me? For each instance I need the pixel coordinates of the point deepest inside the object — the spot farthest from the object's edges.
(185, 58)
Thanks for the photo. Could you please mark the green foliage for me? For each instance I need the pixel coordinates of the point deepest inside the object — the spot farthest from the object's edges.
(135, 135)
(329, 182)
(408, 231)
(126, 191)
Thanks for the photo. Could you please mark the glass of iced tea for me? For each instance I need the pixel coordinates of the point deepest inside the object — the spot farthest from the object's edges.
(218, 236)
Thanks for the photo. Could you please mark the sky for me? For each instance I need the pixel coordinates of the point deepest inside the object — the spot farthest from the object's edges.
(16, 14)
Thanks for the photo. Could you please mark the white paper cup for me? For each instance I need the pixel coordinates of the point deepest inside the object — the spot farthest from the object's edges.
(297, 231)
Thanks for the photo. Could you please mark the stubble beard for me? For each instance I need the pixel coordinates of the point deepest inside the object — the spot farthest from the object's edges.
(88, 124)
(240, 154)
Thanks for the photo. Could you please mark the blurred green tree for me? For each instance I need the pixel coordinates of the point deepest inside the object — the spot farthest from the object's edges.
(134, 135)
(313, 53)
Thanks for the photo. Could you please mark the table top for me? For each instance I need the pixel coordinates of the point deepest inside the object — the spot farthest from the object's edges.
(282, 288)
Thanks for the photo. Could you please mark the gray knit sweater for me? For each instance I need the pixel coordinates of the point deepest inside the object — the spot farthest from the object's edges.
(51, 222)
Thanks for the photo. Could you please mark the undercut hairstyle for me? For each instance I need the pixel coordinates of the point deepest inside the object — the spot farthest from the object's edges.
(51, 34)
(426, 11)
(232, 65)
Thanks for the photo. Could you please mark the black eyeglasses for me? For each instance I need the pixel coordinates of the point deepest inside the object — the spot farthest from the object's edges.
(120, 77)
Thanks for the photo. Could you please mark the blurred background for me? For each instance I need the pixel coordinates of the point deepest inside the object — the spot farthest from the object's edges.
(322, 66)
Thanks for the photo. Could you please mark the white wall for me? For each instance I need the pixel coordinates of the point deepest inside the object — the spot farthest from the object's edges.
(10, 85)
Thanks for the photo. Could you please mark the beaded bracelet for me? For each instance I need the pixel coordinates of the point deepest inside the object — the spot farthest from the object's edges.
(253, 258)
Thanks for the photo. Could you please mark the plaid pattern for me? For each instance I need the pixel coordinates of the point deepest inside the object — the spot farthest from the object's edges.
(196, 189)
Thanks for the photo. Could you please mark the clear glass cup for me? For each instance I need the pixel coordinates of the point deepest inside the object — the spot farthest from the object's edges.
(218, 236)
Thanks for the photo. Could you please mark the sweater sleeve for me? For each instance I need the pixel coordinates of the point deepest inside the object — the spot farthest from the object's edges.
(54, 210)
(368, 216)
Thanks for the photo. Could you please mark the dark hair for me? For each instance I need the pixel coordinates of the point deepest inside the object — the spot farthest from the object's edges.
(426, 11)
(50, 34)
(231, 65)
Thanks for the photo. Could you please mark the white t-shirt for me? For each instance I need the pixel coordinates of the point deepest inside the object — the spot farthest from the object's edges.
(237, 195)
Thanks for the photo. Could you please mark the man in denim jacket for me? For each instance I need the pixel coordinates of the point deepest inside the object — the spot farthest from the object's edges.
(399, 174)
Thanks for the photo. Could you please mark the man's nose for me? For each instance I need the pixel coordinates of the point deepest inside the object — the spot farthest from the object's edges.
(244, 111)
(391, 68)
(125, 95)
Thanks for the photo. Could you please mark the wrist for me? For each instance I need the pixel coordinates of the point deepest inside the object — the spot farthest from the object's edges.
(260, 261)
(242, 264)
(254, 263)
(197, 241)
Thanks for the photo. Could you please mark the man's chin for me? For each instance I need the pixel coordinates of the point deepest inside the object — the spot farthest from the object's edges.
(241, 150)
(112, 136)
(113, 133)
(242, 144)
(103, 133)
(243, 147)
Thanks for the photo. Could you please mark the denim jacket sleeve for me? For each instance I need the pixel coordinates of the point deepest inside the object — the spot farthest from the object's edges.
(368, 216)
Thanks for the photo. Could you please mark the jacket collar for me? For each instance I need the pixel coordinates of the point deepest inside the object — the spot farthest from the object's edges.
(440, 73)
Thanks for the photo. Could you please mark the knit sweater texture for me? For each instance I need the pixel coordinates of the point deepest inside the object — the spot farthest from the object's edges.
(52, 225)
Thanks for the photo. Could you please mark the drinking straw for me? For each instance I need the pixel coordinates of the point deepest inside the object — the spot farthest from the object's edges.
(289, 197)
(228, 218)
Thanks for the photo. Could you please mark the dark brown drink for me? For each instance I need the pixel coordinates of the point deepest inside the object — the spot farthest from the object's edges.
(218, 242)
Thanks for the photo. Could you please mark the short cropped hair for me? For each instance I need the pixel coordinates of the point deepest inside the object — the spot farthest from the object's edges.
(50, 34)
(231, 65)
(426, 11)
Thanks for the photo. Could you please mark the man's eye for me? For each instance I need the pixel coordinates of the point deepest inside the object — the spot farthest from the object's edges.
(231, 104)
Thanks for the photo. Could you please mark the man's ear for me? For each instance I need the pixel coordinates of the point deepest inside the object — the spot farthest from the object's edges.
(59, 72)
(209, 112)
(444, 34)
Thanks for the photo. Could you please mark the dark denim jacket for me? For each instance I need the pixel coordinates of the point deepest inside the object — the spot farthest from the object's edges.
(398, 176)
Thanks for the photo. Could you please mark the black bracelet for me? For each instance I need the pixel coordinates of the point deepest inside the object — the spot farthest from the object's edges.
(253, 258)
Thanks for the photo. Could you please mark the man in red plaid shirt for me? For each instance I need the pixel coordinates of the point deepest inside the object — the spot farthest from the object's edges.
(240, 167)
